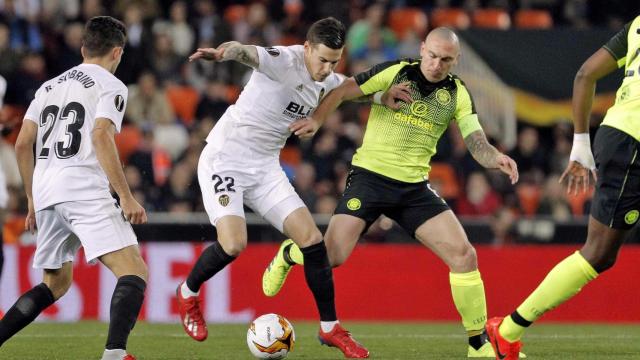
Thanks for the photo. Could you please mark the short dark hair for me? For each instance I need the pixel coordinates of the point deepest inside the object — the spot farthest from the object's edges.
(329, 32)
(101, 34)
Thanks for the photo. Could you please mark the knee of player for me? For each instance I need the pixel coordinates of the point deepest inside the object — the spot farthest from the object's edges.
(234, 248)
(464, 259)
(336, 260)
(59, 286)
(311, 237)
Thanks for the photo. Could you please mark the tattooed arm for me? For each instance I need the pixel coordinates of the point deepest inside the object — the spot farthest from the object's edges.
(488, 156)
(231, 50)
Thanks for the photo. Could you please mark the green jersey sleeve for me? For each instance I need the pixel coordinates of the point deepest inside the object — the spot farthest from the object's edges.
(465, 114)
(617, 45)
(379, 77)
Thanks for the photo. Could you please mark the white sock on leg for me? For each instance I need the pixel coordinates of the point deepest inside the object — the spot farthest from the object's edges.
(186, 292)
(327, 326)
(115, 354)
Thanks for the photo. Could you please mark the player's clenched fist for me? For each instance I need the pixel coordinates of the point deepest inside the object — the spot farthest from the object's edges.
(133, 211)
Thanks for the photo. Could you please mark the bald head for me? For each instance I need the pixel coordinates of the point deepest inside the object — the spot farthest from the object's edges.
(443, 34)
(440, 52)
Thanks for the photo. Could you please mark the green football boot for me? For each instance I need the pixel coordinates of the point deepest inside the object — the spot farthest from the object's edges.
(277, 271)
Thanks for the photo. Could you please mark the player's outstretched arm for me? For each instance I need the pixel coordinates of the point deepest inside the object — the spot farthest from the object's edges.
(489, 157)
(581, 163)
(231, 50)
(25, 157)
(307, 127)
(107, 154)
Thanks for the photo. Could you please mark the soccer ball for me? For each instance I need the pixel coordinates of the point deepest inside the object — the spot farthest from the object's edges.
(270, 336)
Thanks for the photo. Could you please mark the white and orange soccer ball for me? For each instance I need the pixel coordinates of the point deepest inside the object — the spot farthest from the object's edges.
(270, 336)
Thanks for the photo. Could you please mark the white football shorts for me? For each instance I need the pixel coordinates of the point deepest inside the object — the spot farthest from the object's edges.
(226, 186)
(96, 225)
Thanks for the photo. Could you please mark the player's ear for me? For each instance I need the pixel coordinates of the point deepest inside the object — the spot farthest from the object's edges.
(117, 52)
(82, 51)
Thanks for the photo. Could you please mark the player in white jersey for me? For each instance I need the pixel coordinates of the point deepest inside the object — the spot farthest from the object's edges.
(240, 166)
(72, 122)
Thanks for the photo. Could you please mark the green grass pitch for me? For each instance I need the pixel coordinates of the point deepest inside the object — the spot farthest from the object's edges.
(401, 341)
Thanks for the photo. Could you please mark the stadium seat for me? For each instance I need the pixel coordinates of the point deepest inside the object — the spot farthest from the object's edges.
(453, 17)
(13, 228)
(184, 101)
(232, 93)
(291, 155)
(443, 176)
(235, 13)
(127, 141)
(529, 197)
(533, 19)
(493, 18)
(404, 20)
(577, 201)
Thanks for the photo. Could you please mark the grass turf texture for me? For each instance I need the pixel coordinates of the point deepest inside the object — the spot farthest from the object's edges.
(402, 341)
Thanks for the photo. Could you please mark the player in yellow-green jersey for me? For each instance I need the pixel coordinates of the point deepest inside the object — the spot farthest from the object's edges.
(390, 171)
(616, 203)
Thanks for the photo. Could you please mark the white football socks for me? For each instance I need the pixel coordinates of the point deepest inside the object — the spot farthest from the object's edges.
(186, 292)
(327, 326)
(115, 354)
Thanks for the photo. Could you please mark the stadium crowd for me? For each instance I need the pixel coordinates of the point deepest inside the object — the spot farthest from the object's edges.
(174, 103)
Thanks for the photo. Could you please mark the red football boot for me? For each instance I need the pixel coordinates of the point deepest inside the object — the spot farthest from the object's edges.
(341, 338)
(191, 316)
(504, 349)
(129, 357)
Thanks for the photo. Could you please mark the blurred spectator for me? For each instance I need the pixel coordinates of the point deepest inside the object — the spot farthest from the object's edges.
(91, 8)
(529, 155)
(479, 198)
(24, 83)
(210, 27)
(179, 192)
(305, 177)
(324, 154)
(69, 54)
(359, 33)
(178, 29)
(164, 62)
(139, 37)
(214, 102)
(154, 166)
(553, 201)
(56, 12)
(9, 58)
(22, 19)
(148, 8)
(148, 104)
(375, 50)
(256, 29)
(562, 136)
